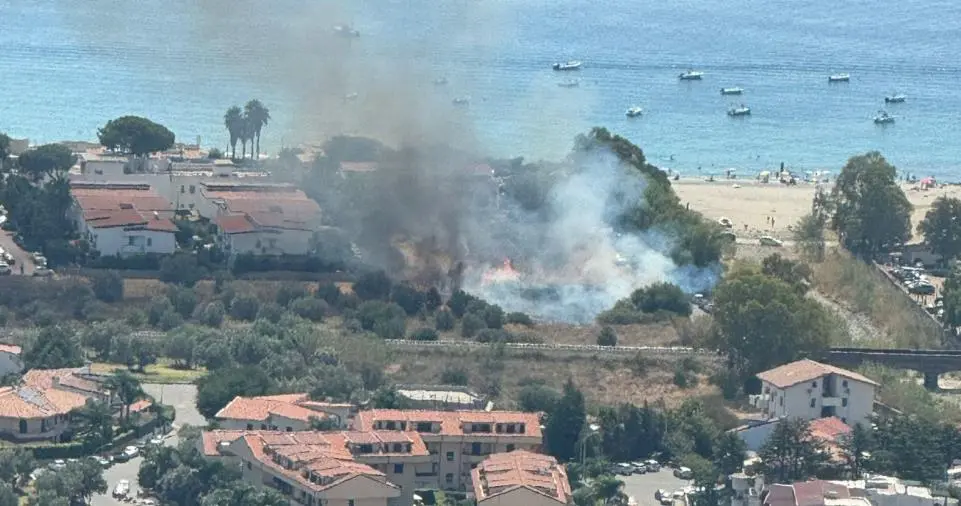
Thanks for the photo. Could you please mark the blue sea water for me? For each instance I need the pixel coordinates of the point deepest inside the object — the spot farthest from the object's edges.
(67, 67)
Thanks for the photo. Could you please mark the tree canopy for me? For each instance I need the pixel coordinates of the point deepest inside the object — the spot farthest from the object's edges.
(135, 135)
(763, 322)
(46, 160)
(941, 227)
(791, 454)
(562, 432)
(871, 212)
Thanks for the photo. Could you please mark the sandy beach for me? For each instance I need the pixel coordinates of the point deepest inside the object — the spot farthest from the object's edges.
(750, 203)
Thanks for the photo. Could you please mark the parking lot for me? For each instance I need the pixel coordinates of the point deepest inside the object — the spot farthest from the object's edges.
(183, 398)
(642, 486)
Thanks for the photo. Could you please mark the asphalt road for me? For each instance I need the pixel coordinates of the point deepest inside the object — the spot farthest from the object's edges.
(183, 398)
(23, 258)
(642, 486)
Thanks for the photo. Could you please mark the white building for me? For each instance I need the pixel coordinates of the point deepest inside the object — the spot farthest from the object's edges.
(810, 390)
(119, 219)
(746, 489)
(519, 477)
(889, 491)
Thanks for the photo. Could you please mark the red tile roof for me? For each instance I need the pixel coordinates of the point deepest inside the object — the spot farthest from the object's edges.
(235, 224)
(261, 408)
(452, 422)
(829, 429)
(47, 392)
(502, 473)
(141, 405)
(111, 198)
(806, 370)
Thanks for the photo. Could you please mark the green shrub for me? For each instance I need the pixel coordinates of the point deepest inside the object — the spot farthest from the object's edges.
(170, 320)
(289, 292)
(271, 312)
(493, 316)
(183, 300)
(182, 269)
(662, 297)
(518, 318)
(493, 336)
(607, 337)
(156, 308)
(391, 328)
(684, 379)
(458, 302)
(372, 312)
(329, 293)
(135, 318)
(244, 307)
(470, 325)
(373, 286)
(213, 314)
(95, 311)
(424, 334)
(432, 299)
(623, 313)
(444, 320)
(107, 286)
(310, 308)
(408, 297)
(454, 375)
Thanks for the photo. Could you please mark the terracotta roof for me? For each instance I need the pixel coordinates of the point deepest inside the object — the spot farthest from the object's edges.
(502, 473)
(141, 405)
(42, 379)
(806, 370)
(11, 348)
(28, 402)
(828, 429)
(261, 408)
(451, 422)
(291, 398)
(235, 224)
(119, 198)
(324, 455)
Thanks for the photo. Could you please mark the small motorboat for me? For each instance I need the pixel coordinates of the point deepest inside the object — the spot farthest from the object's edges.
(691, 75)
(883, 118)
(732, 91)
(440, 81)
(570, 65)
(839, 78)
(895, 99)
(741, 110)
(346, 31)
(571, 83)
(461, 101)
(634, 112)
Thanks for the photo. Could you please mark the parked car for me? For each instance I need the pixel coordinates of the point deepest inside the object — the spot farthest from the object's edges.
(624, 469)
(766, 240)
(57, 465)
(156, 441)
(131, 451)
(660, 494)
(122, 489)
(639, 467)
(104, 461)
(5, 269)
(10, 259)
(653, 466)
(683, 473)
(42, 272)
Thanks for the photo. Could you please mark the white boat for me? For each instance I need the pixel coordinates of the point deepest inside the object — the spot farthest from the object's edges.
(572, 83)
(883, 118)
(839, 78)
(461, 101)
(440, 81)
(895, 99)
(346, 31)
(570, 65)
(634, 112)
(741, 110)
(732, 91)
(691, 75)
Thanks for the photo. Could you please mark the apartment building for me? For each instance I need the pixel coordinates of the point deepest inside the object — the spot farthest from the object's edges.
(457, 441)
(810, 390)
(521, 477)
(288, 412)
(119, 219)
(39, 407)
(337, 468)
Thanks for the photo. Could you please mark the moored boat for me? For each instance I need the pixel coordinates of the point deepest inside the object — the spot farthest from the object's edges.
(634, 112)
(839, 78)
(883, 118)
(895, 99)
(741, 110)
(732, 91)
(569, 65)
(691, 75)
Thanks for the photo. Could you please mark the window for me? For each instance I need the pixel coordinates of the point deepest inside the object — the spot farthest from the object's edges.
(182, 189)
(272, 242)
(258, 243)
(398, 468)
(844, 383)
(844, 402)
(263, 426)
(149, 241)
(510, 448)
(449, 478)
(248, 465)
(290, 429)
(780, 401)
(193, 189)
(130, 240)
(510, 428)
(475, 449)
(520, 428)
(844, 420)
(23, 426)
(398, 448)
(450, 456)
(390, 425)
(814, 384)
(423, 427)
(250, 426)
(813, 402)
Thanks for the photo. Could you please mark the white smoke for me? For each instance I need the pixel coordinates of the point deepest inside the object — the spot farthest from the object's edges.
(583, 265)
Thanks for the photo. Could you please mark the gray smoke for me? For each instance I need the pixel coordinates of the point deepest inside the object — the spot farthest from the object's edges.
(582, 265)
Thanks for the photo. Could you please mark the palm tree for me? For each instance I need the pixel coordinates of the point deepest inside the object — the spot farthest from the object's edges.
(257, 117)
(126, 387)
(96, 423)
(234, 121)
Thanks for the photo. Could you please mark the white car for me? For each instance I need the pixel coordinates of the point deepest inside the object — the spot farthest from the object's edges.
(131, 451)
(683, 473)
(57, 465)
(122, 489)
(767, 240)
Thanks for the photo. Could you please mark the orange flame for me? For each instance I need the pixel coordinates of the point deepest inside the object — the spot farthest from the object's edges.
(501, 274)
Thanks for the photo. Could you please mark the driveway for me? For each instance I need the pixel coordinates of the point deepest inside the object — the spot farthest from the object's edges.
(23, 258)
(642, 486)
(183, 398)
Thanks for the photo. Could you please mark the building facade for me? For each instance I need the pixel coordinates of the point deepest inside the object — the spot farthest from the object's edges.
(520, 477)
(457, 441)
(810, 390)
(39, 407)
(119, 219)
